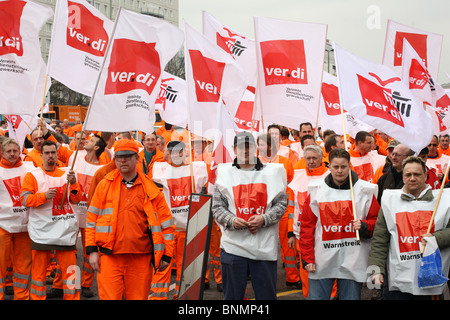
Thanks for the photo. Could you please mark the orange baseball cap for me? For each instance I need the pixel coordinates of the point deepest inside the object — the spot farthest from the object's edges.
(126, 147)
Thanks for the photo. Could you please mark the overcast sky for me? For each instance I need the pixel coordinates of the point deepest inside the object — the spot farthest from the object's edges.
(351, 23)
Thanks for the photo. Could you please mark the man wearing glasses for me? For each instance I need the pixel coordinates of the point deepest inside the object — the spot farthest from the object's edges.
(129, 227)
(436, 159)
(392, 178)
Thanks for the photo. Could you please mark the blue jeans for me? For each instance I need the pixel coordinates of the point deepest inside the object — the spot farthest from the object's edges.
(235, 270)
(320, 289)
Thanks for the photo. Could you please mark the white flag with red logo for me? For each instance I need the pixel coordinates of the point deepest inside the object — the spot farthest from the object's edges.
(426, 44)
(130, 80)
(80, 38)
(375, 94)
(21, 125)
(223, 143)
(290, 59)
(172, 99)
(211, 74)
(243, 50)
(22, 69)
(330, 110)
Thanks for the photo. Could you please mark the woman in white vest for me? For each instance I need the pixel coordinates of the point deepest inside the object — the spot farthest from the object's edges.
(249, 201)
(401, 226)
(14, 239)
(328, 243)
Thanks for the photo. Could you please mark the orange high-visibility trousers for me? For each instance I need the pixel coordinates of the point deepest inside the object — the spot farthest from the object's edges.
(288, 255)
(161, 279)
(70, 277)
(125, 275)
(180, 239)
(214, 253)
(87, 273)
(15, 248)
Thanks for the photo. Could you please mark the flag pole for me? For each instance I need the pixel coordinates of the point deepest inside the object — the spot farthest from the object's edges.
(90, 104)
(345, 142)
(430, 225)
(190, 131)
(43, 100)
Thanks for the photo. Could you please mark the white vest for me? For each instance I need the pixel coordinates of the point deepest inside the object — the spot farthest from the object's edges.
(249, 193)
(337, 252)
(367, 165)
(85, 171)
(47, 223)
(13, 215)
(405, 229)
(177, 187)
(440, 164)
(299, 186)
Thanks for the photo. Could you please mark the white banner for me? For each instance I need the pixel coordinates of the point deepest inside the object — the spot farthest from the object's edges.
(290, 59)
(22, 69)
(130, 79)
(172, 100)
(375, 94)
(426, 44)
(330, 116)
(80, 38)
(211, 74)
(243, 50)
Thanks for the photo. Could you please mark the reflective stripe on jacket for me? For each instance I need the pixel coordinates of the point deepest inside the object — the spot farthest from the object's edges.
(102, 217)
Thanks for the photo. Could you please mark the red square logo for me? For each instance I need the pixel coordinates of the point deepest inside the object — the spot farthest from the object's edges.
(336, 219)
(330, 95)
(417, 41)
(250, 199)
(418, 76)
(208, 75)
(13, 186)
(284, 62)
(57, 200)
(410, 226)
(10, 38)
(141, 72)
(378, 101)
(85, 31)
(180, 191)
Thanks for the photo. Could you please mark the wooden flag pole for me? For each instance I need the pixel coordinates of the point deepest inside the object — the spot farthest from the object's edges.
(42, 104)
(430, 225)
(90, 103)
(346, 148)
(71, 168)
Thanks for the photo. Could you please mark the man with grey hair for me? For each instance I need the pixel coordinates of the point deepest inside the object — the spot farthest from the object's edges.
(392, 178)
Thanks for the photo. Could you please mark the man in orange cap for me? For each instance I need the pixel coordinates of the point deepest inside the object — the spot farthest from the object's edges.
(129, 227)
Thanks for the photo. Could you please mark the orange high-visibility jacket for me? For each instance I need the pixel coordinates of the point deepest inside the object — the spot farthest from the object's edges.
(102, 217)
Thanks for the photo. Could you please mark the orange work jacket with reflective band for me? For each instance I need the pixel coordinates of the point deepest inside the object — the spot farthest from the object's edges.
(102, 217)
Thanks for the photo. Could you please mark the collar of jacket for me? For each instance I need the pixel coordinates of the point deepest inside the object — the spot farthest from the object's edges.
(425, 195)
(149, 186)
(258, 166)
(345, 186)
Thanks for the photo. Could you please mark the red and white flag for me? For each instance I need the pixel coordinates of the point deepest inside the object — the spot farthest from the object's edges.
(330, 110)
(243, 50)
(426, 44)
(22, 69)
(376, 95)
(80, 38)
(129, 82)
(20, 126)
(290, 59)
(211, 75)
(223, 143)
(172, 99)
